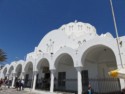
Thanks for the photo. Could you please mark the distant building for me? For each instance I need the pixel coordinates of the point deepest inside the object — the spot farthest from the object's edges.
(68, 59)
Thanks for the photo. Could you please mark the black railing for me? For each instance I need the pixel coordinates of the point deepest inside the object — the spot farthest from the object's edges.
(67, 85)
(28, 83)
(100, 86)
(104, 86)
(43, 84)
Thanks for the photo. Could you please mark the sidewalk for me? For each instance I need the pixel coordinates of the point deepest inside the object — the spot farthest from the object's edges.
(6, 90)
(40, 91)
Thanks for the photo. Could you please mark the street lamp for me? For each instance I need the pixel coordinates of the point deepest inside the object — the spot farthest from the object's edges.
(116, 31)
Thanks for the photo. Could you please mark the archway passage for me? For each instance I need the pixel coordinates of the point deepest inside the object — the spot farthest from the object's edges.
(5, 73)
(10, 77)
(43, 76)
(18, 71)
(28, 75)
(11, 72)
(66, 74)
(98, 61)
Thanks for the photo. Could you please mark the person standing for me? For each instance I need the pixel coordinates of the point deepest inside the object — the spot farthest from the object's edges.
(8, 83)
(90, 90)
(17, 84)
(123, 91)
(22, 84)
(1, 82)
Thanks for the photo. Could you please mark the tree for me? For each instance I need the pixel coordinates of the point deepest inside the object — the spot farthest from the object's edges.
(3, 56)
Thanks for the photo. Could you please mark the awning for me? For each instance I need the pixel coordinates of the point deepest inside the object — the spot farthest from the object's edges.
(119, 73)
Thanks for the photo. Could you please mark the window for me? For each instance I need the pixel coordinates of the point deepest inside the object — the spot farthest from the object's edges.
(46, 70)
(85, 80)
(62, 79)
(26, 79)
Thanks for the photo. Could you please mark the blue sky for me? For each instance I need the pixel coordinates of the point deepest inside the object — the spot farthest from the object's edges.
(23, 23)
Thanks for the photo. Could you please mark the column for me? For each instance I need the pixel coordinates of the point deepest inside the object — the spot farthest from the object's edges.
(52, 81)
(13, 82)
(7, 75)
(79, 79)
(22, 75)
(34, 81)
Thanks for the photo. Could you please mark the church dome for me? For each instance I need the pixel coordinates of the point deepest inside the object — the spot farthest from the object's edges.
(68, 35)
(78, 29)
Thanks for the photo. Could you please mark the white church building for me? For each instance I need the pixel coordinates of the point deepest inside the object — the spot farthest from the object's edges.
(68, 59)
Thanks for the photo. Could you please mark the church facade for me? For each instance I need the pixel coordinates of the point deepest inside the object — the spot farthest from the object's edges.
(68, 59)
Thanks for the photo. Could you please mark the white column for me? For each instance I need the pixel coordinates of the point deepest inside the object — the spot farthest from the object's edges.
(79, 79)
(52, 81)
(13, 82)
(34, 81)
(7, 76)
(22, 75)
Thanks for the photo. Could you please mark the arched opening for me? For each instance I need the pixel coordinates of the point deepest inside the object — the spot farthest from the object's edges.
(5, 73)
(28, 75)
(43, 76)
(98, 61)
(18, 71)
(11, 72)
(10, 77)
(66, 74)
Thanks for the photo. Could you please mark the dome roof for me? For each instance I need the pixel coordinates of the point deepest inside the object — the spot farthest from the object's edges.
(78, 29)
(68, 35)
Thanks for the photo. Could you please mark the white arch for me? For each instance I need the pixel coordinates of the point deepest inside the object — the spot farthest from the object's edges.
(45, 56)
(94, 47)
(43, 59)
(13, 64)
(20, 62)
(6, 66)
(65, 50)
(3, 69)
(108, 42)
(27, 65)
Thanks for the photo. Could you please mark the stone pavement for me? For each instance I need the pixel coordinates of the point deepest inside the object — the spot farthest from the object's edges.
(27, 91)
(14, 91)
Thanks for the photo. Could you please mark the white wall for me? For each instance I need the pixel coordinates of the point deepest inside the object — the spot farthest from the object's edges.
(92, 69)
(71, 74)
(30, 74)
(41, 74)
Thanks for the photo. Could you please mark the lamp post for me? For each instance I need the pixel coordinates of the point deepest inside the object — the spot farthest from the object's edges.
(116, 31)
(117, 39)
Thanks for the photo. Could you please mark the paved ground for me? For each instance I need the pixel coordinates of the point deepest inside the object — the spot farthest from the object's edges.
(14, 91)
(27, 91)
